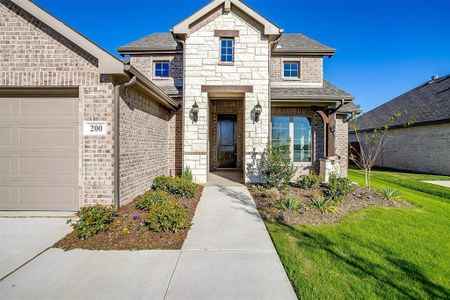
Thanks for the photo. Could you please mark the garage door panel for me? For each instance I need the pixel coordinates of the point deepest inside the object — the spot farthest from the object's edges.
(48, 137)
(39, 153)
(56, 197)
(48, 166)
(38, 108)
(6, 136)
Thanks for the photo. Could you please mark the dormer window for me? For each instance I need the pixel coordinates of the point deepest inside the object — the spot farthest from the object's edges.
(161, 69)
(227, 50)
(291, 69)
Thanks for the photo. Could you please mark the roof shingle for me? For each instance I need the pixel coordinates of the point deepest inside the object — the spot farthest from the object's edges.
(429, 102)
(327, 92)
(153, 42)
(299, 43)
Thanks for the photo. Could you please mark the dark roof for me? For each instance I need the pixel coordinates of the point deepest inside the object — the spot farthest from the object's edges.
(289, 43)
(349, 107)
(429, 102)
(327, 92)
(161, 41)
(299, 43)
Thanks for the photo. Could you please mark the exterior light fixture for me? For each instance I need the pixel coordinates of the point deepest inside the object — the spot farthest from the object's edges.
(194, 112)
(258, 110)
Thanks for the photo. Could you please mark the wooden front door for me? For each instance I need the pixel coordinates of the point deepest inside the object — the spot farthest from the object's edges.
(226, 141)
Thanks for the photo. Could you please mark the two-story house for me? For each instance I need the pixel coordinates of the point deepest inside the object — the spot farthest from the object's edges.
(79, 126)
(241, 82)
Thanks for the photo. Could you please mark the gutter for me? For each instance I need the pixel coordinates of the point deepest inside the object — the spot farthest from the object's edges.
(117, 89)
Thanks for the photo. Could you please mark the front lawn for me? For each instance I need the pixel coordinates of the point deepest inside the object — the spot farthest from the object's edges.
(376, 252)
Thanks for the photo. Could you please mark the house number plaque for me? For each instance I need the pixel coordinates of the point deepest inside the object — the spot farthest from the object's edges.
(95, 128)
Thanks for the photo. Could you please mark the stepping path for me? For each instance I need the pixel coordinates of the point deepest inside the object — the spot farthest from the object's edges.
(228, 253)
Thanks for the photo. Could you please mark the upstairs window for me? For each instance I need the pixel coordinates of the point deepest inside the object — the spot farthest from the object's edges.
(291, 69)
(226, 50)
(161, 69)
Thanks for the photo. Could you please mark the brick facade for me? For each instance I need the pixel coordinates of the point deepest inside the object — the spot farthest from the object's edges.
(145, 64)
(311, 70)
(423, 149)
(33, 55)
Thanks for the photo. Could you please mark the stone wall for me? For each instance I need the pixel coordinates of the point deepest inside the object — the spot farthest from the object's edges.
(144, 143)
(251, 67)
(34, 55)
(311, 70)
(422, 149)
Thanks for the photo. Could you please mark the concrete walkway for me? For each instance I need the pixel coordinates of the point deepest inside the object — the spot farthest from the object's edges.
(444, 183)
(228, 255)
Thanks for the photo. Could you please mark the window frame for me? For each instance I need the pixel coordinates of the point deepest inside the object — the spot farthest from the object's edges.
(298, 62)
(161, 62)
(291, 136)
(227, 55)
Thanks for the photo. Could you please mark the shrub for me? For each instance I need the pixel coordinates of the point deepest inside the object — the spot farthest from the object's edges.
(338, 188)
(290, 203)
(92, 220)
(175, 185)
(390, 194)
(274, 194)
(187, 174)
(320, 202)
(308, 181)
(259, 190)
(150, 198)
(167, 215)
(276, 166)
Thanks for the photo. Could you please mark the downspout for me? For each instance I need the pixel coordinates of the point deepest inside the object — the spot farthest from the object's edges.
(183, 45)
(117, 138)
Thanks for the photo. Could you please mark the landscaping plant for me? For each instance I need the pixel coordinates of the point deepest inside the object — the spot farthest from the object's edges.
(338, 188)
(92, 219)
(290, 203)
(164, 216)
(322, 203)
(390, 194)
(175, 186)
(371, 144)
(276, 166)
(309, 181)
(187, 174)
(150, 198)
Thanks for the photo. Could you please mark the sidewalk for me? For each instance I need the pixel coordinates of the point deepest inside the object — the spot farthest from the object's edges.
(228, 255)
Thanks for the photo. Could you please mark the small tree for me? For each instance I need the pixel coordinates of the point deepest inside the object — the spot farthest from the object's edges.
(276, 166)
(371, 143)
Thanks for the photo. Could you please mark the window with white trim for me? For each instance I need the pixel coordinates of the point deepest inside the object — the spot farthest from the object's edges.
(295, 131)
(226, 50)
(161, 69)
(291, 69)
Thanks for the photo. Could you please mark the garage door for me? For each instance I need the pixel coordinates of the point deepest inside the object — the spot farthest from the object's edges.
(38, 153)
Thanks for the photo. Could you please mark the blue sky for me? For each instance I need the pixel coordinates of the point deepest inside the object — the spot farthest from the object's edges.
(384, 48)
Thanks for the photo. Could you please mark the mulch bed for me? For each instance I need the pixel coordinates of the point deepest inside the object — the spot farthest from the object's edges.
(136, 237)
(360, 198)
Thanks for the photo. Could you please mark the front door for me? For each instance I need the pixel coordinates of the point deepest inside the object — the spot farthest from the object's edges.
(226, 141)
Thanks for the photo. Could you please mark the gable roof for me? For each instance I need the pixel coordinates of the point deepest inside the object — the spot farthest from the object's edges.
(300, 44)
(107, 63)
(327, 92)
(160, 41)
(183, 28)
(427, 103)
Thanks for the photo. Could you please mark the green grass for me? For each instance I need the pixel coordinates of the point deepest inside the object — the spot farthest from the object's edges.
(375, 253)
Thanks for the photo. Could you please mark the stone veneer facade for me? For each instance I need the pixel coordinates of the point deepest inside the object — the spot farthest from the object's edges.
(251, 67)
(35, 56)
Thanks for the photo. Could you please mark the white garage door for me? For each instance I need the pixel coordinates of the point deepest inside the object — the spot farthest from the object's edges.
(38, 153)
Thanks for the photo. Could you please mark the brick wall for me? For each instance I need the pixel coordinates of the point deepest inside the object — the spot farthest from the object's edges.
(423, 149)
(311, 70)
(144, 143)
(341, 142)
(34, 55)
(144, 63)
(175, 140)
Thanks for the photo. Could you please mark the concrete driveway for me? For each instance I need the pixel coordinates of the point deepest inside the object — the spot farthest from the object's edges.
(21, 239)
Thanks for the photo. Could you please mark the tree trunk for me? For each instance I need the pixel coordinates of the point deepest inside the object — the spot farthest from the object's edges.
(368, 178)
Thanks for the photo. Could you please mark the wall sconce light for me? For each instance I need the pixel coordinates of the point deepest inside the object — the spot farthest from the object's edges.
(258, 110)
(194, 112)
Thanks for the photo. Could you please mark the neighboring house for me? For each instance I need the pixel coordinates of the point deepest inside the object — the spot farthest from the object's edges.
(79, 127)
(423, 146)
